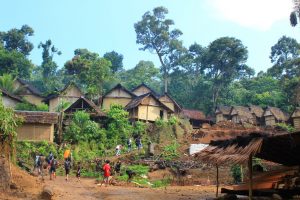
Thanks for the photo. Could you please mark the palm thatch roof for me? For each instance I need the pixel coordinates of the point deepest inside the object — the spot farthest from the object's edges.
(225, 110)
(296, 113)
(30, 87)
(58, 92)
(12, 96)
(277, 113)
(256, 110)
(84, 104)
(280, 148)
(194, 114)
(38, 117)
(243, 113)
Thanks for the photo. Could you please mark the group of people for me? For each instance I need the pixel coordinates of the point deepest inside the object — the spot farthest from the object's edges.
(138, 144)
(50, 163)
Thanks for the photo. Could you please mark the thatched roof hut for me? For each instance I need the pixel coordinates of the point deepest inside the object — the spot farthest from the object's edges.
(241, 115)
(37, 126)
(222, 113)
(257, 113)
(274, 115)
(295, 117)
(196, 117)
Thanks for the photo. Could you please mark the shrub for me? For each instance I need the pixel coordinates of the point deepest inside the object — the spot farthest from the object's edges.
(31, 107)
(286, 127)
(83, 129)
(159, 123)
(236, 173)
(173, 120)
(170, 151)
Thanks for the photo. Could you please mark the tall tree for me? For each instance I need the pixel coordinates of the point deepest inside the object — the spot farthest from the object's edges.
(283, 56)
(225, 61)
(154, 34)
(90, 70)
(17, 39)
(115, 59)
(49, 67)
(294, 16)
(143, 72)
(14, 62)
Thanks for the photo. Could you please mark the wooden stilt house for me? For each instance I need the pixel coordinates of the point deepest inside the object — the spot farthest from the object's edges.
(295, 117)
(143, 89)
(148, 108)
(9, 100)
(196, 117)
(171, 103)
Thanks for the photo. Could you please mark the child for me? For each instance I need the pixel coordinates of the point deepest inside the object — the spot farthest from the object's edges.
(118, 149)
(106, 175)
(53, 166)
(67, 168)
(78, 171)
(118, 167)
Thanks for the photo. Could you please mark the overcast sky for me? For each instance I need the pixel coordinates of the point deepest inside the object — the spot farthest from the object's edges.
(102, 26)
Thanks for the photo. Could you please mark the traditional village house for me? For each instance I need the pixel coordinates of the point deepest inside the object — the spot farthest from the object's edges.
(148, 108)
(171, 103)
(70, 93)
(274, 115)
(28, 92)
(257, 113)
(9, 100)
(241, 115)
(222, 113)
(143, 89)
(117, 95)
(295, 117)
(37, 126)
(196, 117)
(83, 104)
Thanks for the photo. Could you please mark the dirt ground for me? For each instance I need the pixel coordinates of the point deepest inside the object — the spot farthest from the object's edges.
(30, 188)
(86, 189)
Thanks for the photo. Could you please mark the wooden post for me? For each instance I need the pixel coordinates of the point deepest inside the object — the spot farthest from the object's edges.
(242, 174)
(217, 183)
(250, 176)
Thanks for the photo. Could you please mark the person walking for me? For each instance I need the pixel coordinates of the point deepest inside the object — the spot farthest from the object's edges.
(118, 167)
(78, 173)
(118, 150)
(106, 174)
(67, 167)
(53, 166)
(129, 144)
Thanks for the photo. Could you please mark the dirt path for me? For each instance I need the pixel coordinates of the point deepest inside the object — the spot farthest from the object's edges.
(88, 190)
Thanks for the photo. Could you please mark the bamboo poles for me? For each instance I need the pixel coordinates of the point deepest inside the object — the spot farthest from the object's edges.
(250, 177)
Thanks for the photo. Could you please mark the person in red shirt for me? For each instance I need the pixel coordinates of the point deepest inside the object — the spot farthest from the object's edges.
(106, 169)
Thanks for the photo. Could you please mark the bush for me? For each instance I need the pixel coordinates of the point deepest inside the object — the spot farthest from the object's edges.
(286, 127)
(31, 107)
(170, 151)
(83, 129)
(173, 120)
(236, 173)
(159, 123)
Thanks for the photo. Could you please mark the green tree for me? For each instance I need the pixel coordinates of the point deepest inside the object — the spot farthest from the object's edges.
(115, 59)
(88, 69)
(17, 39)
(7, 83)
(225, 61)
(83, 129)
(283, 55)
(143, 72)
(294, 16)
(15, 63)
(119, 127)
(154, 34)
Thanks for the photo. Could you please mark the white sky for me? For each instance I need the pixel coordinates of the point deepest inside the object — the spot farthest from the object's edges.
(255, 14)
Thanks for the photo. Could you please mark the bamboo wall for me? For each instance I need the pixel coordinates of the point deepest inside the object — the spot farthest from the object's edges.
(36, 132)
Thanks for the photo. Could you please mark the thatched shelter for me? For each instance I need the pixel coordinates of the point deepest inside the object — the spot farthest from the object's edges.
(274, 115)
(282, 148)
(37, 126)
(295, 117)
(257, 113)
(222, 113)
(241, 115)
(196, 117)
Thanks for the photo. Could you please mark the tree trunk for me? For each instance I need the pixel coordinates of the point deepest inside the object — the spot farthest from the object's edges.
(166, 84)
(5, 172)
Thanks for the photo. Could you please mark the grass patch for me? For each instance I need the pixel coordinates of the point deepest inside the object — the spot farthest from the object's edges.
(161, 183)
